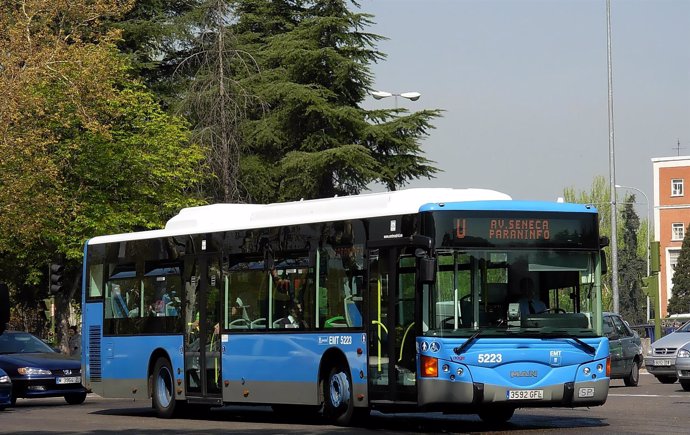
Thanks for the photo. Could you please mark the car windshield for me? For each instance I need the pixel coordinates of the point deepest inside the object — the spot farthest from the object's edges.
(22, 343)
(684, 328)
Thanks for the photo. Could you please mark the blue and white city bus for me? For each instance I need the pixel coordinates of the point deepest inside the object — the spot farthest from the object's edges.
(397, 301)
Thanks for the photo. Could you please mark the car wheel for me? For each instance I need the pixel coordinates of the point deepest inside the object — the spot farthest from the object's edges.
(13, 399)
(163, 389)
(496, 415)
(667, 379)
(75, 398)
(633, 378)
(685, 385)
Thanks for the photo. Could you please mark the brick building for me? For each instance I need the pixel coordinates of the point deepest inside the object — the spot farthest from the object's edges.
(671, 217)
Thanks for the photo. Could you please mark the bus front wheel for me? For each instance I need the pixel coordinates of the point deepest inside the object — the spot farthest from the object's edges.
(163, 389)
(496, 415)
(337, 392)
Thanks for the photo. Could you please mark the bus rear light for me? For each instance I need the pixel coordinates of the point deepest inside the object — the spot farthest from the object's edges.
(429, 367)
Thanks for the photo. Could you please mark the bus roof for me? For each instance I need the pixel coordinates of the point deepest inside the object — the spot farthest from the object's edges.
(224, 217)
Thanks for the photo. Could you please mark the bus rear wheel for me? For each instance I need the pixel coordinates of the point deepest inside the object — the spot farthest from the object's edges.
(337, 393)
(163, 389)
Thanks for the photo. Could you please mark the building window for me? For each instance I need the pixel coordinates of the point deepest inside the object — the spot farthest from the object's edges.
(677, 187)
(677, 231)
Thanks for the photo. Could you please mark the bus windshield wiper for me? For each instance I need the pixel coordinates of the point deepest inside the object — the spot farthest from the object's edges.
(463, 347)
(589, 349)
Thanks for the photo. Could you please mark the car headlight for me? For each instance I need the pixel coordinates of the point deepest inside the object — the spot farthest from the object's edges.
(683, 353)
(33, 371)
(5, 379)
(650, 351)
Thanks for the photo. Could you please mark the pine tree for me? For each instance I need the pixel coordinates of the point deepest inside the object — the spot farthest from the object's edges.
(314, 137)
(680, 299)
(306, 135)
(631, 267)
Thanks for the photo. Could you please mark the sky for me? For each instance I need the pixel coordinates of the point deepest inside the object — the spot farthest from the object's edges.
(524, 88)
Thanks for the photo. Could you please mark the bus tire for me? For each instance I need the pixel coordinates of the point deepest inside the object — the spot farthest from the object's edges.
(338, 405)
(163, 389)
(633, 378)
(496, 415)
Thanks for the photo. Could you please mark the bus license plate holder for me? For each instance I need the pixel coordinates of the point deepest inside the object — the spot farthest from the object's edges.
(525, 394)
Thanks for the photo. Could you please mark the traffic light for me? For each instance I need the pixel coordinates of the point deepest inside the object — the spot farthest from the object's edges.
(56, 271)
(650, 286)
(46, 308)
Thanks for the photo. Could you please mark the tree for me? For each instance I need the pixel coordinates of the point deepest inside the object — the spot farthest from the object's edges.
(314, 137)
(680, 298)
(84, 149)
(631, 247)
(632, 267)
(305, 135)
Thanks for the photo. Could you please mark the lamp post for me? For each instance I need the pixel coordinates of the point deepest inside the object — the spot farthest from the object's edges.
(412, 96)
(649, 229)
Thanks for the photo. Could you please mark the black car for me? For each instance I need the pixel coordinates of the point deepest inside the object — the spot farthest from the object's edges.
(36, 370)
(625, 348)
(5, 390)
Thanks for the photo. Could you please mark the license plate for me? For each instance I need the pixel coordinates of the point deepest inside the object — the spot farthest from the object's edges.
(68, 380)
(662, 362)
(525, 394)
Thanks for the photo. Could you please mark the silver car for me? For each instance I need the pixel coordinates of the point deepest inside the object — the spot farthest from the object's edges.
(683, 366)
(661, 358)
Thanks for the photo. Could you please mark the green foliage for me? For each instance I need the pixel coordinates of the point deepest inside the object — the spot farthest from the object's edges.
(314, 59)
(631, 268)
(294, 73)
(680, 298)
(632, 247)
(84, 149)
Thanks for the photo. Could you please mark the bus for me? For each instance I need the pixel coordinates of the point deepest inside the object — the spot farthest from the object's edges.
(400, 301)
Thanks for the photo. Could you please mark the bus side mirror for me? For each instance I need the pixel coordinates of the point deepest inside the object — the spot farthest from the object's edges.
(427, 270)
(604, 267)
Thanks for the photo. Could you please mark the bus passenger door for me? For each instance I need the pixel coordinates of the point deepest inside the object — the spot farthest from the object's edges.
(203, 280)
(392, 354)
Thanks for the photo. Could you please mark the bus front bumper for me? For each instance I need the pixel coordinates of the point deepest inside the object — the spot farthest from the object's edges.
(441, 393)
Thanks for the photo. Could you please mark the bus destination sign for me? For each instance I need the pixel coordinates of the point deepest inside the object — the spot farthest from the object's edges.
(516, 229)
(513, 229)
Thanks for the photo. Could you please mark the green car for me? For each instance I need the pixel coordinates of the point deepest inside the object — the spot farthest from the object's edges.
(625, 347)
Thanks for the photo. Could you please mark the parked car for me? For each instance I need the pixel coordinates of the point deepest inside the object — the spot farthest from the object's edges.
(683, 366)
(661, 360)
(36, 370)
(5, 390)
(625, 348)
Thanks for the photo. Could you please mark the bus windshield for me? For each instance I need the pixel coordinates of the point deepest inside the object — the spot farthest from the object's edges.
(512, 292)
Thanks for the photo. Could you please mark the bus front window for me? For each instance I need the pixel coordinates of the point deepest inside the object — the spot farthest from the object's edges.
(508, 292)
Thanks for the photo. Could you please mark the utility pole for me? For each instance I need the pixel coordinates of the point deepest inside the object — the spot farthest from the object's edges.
(612, 169)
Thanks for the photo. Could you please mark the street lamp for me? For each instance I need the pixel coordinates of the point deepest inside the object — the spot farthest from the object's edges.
(412, 96)
(649, 229)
